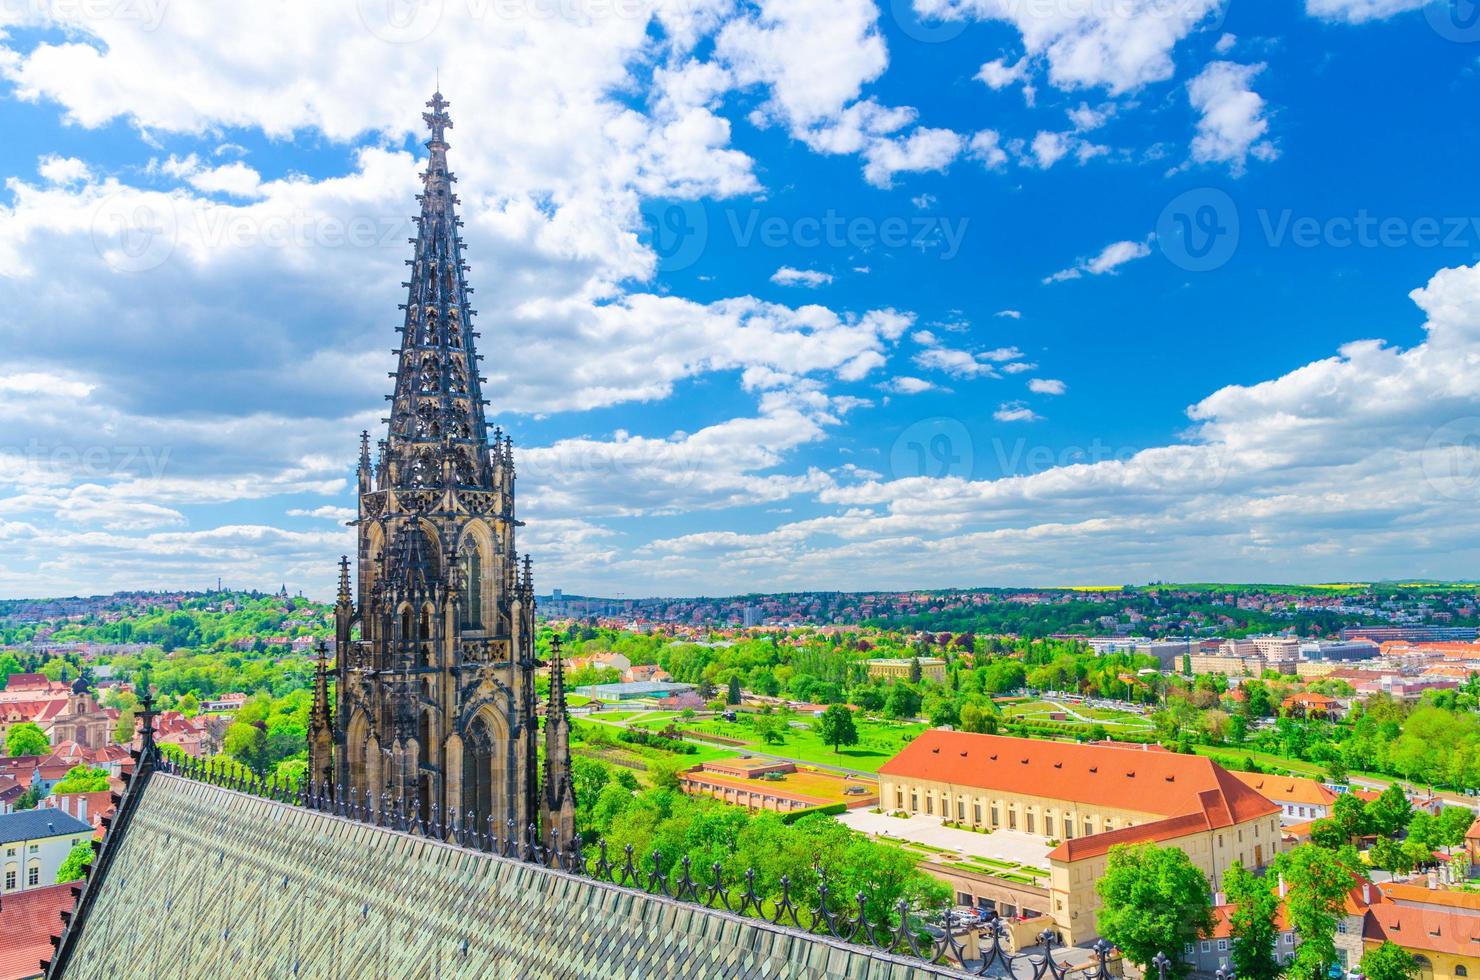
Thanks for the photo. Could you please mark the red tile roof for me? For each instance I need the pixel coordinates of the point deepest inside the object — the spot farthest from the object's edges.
(1096, 845)
(1163, 783)
(1291, 789)
(27, 921)
(1424, 929)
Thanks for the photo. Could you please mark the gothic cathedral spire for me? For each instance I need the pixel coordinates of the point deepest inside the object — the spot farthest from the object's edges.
(435, 698)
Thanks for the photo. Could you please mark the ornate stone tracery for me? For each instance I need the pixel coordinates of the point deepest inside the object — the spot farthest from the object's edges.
(435, 703)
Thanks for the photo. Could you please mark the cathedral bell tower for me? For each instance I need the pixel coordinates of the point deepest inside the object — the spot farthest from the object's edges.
(435, 701)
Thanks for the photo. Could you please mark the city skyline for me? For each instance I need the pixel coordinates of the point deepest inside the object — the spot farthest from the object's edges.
(774, 297)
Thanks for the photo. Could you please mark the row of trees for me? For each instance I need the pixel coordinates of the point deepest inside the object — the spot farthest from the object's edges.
(665, 820)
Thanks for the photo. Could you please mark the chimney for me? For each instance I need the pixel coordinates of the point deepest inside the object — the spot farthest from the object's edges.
(1282, 886)
(1366, 893)
(1220, 899)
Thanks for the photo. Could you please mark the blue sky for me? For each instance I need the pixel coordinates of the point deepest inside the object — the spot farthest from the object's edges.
(777, 295)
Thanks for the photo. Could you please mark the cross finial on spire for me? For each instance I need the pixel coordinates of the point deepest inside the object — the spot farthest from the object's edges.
(437, 120)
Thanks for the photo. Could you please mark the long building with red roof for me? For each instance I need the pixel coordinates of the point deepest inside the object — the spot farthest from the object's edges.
(1084, 799)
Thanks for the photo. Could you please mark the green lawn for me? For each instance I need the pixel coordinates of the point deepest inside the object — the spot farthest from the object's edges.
(879, 741)
(1237, 754)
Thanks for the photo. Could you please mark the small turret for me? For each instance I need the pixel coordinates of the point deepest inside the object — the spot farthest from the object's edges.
(558, 801)
(367, 473)
(321, 724)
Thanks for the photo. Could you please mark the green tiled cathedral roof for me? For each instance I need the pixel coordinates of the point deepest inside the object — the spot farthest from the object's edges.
(210, 883)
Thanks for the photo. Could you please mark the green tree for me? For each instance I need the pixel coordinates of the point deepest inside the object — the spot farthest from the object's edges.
(772, 730)
(733, 695)
(902, 702)
(246, 744)
(1387, 854)
(26, 738)
(188, 704)
(1453, 822)
(123, 730)
(836, 727)
(1350, 814)
(1253, 924)
(1389, 962)
(83, 779)
(980, 718)
(74, 866)
(1316, 883)
(915, 673)
(1154, 901)
(1390, 812)
(1327, 833)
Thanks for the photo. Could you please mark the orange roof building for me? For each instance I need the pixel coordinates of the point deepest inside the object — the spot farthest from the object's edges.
(1084, 799)
(1301, 800)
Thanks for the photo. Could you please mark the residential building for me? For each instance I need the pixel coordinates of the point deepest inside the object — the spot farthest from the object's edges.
(90, 808)
(1300, 800)
(33, 845)
(1085, 799)
(931, 668)
(1307, 704)
(1440, 928)
(224, 702)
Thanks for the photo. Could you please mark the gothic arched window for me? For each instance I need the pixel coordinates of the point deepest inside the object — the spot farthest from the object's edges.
(473, 610)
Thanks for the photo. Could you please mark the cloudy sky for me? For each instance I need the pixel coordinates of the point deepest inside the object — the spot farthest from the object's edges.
(773, 295)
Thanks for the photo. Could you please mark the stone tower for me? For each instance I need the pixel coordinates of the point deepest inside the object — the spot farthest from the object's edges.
(435, 699)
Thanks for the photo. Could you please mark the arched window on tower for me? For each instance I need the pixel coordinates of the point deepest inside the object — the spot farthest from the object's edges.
(406, 636)
(473, 608)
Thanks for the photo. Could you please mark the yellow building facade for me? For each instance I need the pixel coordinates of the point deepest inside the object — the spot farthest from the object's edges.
(1083, 800)
(931, 669)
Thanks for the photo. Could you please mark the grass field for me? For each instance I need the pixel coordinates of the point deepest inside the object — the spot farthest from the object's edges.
(1236, 755)
(1112, 719)
(878, 741)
